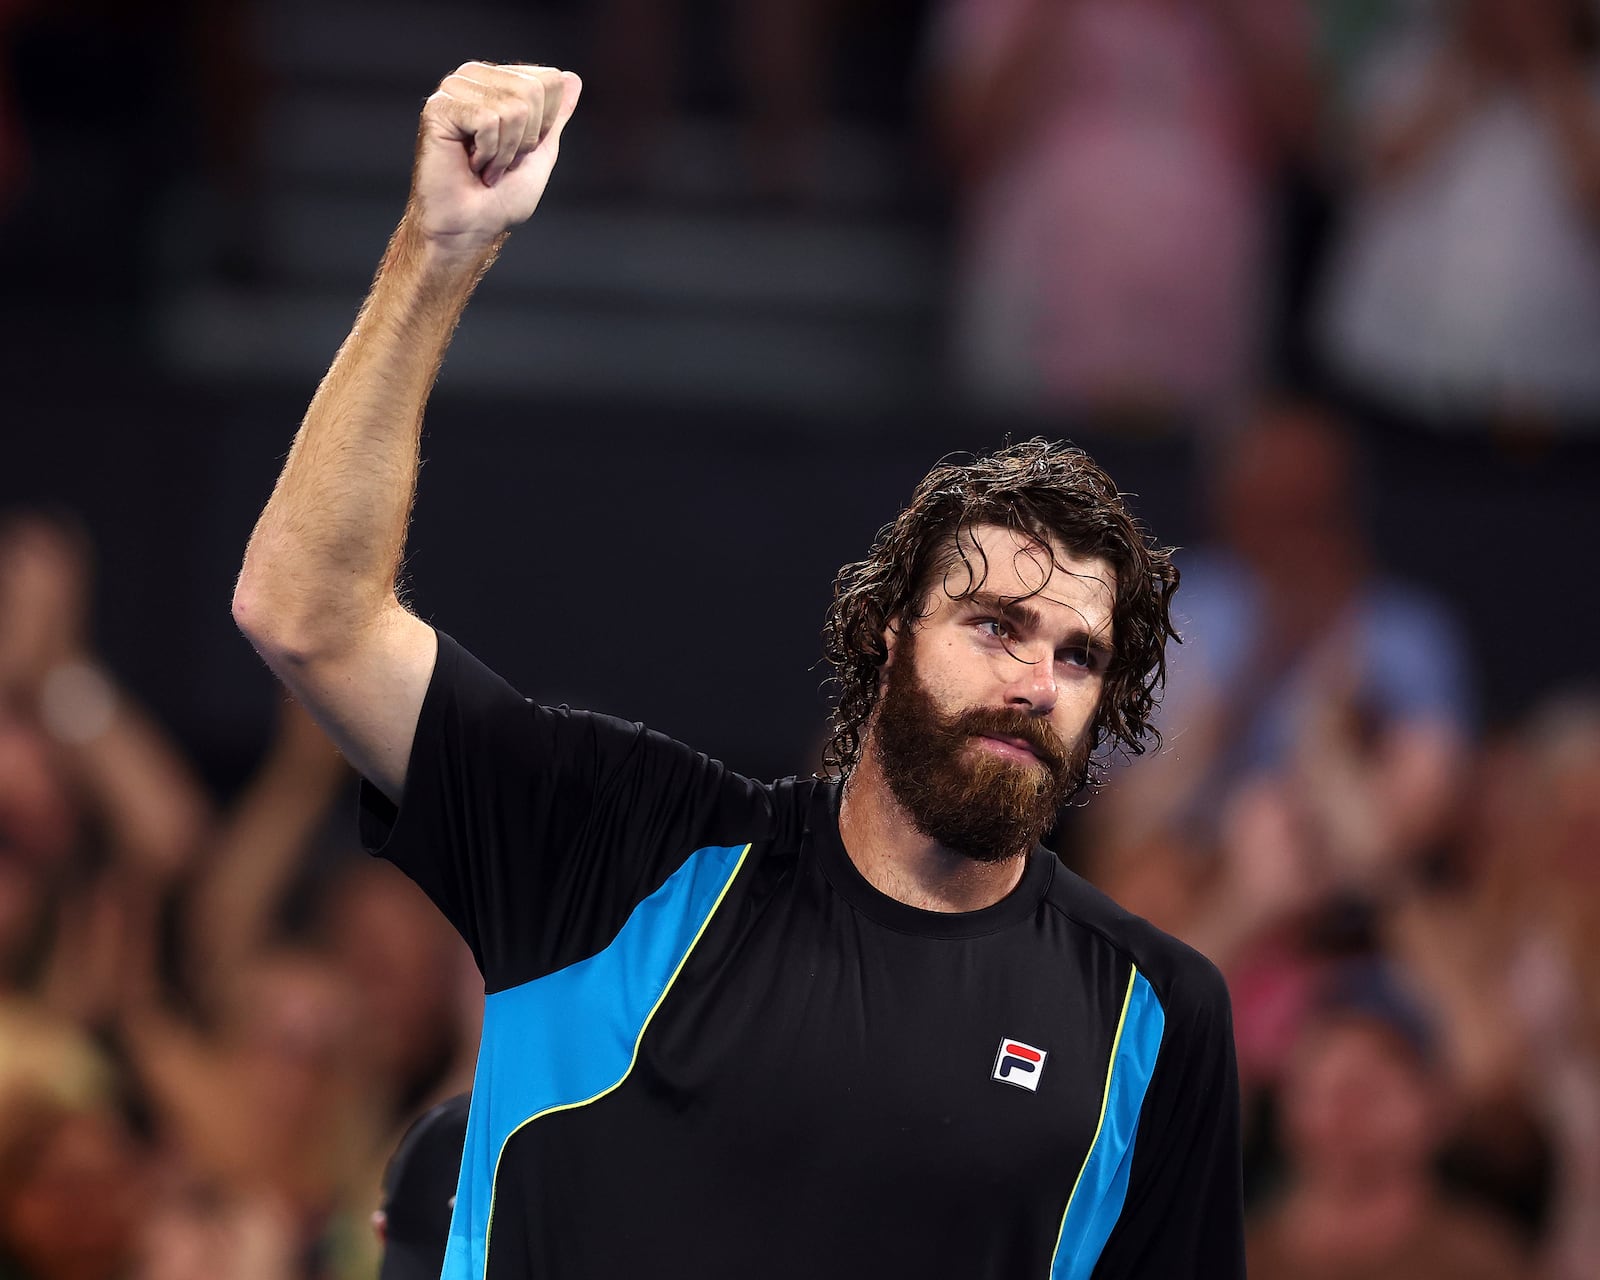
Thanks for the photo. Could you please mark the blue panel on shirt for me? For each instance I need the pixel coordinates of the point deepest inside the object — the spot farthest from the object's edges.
(1102, 1187)
(570, 1037)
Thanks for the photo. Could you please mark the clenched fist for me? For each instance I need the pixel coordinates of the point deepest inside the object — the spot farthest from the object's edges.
(485, 149)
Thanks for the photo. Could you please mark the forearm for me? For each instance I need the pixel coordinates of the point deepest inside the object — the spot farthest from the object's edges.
(322, 561)
(317, 593)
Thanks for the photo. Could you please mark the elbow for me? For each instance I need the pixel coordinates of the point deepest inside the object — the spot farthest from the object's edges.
(270, 627)
(246, 607)
(252, 612)
(293, 628)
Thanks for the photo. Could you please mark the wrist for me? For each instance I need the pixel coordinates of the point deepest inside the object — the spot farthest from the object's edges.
(425, 281)
(443, 258)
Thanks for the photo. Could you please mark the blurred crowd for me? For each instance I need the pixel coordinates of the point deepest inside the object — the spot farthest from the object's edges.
(1406, 905)
(1163, 203)
(214, 1022)
(1267, 222)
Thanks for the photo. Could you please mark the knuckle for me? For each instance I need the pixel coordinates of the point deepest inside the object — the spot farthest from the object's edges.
(441, 106)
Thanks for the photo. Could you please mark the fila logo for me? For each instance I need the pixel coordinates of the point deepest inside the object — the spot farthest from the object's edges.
(1019, 1064)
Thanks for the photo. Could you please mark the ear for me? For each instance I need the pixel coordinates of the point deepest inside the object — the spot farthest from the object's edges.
(891, 637)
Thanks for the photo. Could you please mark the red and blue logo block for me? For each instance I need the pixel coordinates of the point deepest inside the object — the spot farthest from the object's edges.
(1019, 1064)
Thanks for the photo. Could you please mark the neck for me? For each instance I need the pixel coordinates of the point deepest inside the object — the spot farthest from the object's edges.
(896, 859)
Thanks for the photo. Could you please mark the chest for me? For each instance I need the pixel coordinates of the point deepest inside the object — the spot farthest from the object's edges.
(798, 1024)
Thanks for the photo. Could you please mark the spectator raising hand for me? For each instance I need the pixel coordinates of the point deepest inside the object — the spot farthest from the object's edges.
(1466, 285)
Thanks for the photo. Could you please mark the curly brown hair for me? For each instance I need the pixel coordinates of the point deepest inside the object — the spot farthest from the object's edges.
(1050, 492)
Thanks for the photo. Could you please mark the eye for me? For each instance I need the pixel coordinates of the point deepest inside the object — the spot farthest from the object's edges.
(993, 627)
(1080, 656)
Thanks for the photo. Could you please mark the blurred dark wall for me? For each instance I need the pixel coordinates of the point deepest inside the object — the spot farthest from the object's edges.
(674, 566)
(667, 566)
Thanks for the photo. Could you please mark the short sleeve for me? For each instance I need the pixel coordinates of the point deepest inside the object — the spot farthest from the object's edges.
(1183, 1218)
(536, 830)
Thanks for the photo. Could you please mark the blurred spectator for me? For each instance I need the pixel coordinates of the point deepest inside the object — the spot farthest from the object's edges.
(1510, 952)
(1116, 160)
(70, 1194)
(72, 1177)
(1318, 728)
(261, 845)
(37, 830)
(373, 927)
(415, 978)
(201, 1229)
(271, 1071)
(99, 812)
(419, 1192)
(1365, 1109)
(275, 1104)
(1305, 667)
(135, 783)
(1466, 285)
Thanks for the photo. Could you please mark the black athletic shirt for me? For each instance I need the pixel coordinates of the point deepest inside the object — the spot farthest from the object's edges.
(712, 1049)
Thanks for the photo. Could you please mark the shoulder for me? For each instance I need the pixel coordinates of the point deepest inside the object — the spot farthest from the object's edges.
(1184, 981)
(795, 805)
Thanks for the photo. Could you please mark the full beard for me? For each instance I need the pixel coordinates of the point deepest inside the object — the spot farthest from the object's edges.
(970, 800)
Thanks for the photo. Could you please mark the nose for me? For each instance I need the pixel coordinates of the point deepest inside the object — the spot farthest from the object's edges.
(1032, 683)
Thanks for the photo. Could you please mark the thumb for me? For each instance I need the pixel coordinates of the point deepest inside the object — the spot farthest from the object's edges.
(571, 88)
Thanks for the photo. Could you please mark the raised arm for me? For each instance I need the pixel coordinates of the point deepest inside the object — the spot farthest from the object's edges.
(317, 594)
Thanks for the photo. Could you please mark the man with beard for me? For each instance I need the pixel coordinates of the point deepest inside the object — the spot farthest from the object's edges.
(846, 1027)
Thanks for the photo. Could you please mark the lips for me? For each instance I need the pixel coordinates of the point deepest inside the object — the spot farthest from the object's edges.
(1018, 744)
(1018, 738)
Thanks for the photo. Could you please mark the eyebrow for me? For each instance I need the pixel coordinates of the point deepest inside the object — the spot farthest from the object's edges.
(1021, 613)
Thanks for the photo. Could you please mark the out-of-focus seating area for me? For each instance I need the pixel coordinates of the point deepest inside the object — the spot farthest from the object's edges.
(1317, 280)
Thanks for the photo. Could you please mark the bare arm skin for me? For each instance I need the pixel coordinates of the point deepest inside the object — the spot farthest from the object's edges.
(317, 595)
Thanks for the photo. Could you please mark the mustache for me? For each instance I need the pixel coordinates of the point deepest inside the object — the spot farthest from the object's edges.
(1001, 722)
